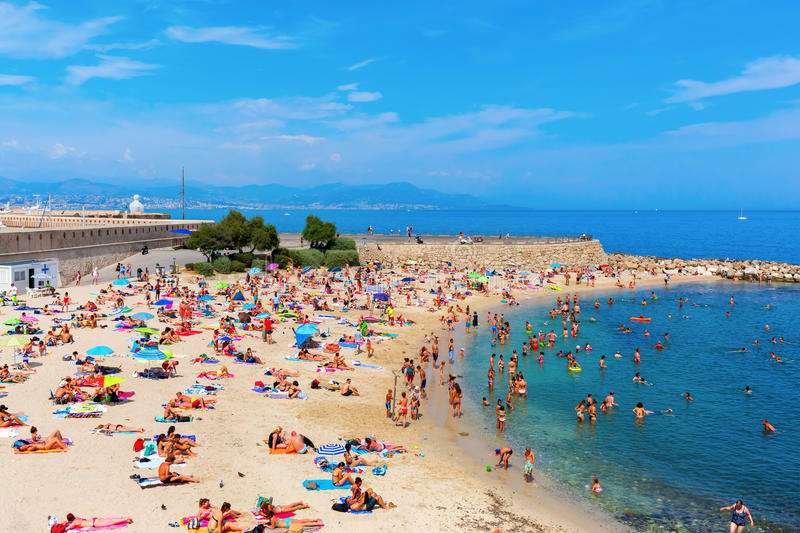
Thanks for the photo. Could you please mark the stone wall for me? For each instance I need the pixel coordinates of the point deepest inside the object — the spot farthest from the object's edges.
(533, 257)
(67, 220)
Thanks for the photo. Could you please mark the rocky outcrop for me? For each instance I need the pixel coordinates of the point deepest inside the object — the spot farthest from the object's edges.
(745, 270)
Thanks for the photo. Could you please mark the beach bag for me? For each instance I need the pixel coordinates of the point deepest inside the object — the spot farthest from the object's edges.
(138, 445)
(340, 507)
(315, 384)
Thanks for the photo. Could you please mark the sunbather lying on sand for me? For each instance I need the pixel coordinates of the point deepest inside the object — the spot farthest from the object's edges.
(73, 522)
(117, 428)
(294, 524)
(8, 420)
(35, 444)
(268, 507)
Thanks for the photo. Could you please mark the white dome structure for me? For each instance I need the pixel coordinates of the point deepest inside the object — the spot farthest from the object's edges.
(135, 207)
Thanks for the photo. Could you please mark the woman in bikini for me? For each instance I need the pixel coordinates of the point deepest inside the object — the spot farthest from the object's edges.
(298, 524)
(73, 522)
(223, 520)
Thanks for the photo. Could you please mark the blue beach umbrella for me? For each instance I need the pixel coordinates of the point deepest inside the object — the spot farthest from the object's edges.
(303, 333)
(99, 350)
(163, 301)
(225, 339)
(121, 282)
(381, 297)
(238, 297)
(254, 271)
(331, 449)
(248, 306)
(206, 297)
(142, 316)
(262, 316)
(150, 354)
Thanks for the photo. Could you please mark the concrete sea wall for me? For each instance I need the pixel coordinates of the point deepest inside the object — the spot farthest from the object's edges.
(533, 257)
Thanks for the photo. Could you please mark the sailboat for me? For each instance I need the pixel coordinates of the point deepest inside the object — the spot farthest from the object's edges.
(741, 216)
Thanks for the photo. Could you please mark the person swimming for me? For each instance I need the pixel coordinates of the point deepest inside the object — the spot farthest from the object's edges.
(747, 389)
(688, 396)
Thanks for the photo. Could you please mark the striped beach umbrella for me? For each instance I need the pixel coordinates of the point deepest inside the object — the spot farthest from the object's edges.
(331, 449)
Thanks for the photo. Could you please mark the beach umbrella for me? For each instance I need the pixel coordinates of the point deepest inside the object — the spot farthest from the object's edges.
(524, 273)
(99, 350)
(112, 380)
(181, 231)
(163, 301)
(29, 318)
(121, 282)
(206, 298)
(254, 271)
(303, 333)
(555, 265)
(248, 306)
(272, 266)
(238, 297)
(482, 279)
(12, 322)
(381, 297)
(406, 280)
(143, 316)
(222, 285)
(225, 339)
(150, 354)
(262, 316)
(331, 449)
(474, 275)
(334, 269)
(146, 331)
(13, 341)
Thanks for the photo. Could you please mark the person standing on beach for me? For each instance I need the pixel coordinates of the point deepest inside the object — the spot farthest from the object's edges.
(500, 413)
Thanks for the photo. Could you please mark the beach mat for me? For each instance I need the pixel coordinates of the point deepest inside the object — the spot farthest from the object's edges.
(149, 482)
(324, 484)
(179, 420)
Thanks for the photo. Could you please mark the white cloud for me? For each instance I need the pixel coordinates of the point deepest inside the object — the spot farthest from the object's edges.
(294, 108)
(302, 138)
(235, 35)
(13, 79)
(127, 156)
(364, 96)
(305, 167)
(11, 144)
(25, 34)
(60, 151)
(111, 67)
(123, 46)
(361, 64)
(357, 123)
(762, 74)
(348, 87)
(336, 157)
(779, 126)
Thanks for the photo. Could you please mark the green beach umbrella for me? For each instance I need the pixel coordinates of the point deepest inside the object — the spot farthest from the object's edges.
(13, 341)
(222, 285)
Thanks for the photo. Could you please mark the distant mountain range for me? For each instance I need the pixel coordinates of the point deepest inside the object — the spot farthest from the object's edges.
(77, 192)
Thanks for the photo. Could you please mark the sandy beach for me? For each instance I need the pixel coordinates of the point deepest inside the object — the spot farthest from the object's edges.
(440, 485)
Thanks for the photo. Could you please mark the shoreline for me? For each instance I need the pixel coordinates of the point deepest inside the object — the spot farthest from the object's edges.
(544, 492)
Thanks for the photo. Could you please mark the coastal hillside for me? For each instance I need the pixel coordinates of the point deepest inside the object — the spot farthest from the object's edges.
(398, 195)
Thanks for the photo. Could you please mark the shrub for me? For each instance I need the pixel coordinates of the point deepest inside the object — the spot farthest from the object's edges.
(340, 258)
(259, 263)
(245, 257)
(342, 243)
(307, 257)
(237, 266)
(204, 269)
(189, 266)
(222, 265)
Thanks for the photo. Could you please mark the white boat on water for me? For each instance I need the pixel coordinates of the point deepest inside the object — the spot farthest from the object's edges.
(741, 216)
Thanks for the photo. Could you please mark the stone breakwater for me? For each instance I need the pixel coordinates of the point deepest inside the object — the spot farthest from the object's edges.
(743, 270)
(527, 256)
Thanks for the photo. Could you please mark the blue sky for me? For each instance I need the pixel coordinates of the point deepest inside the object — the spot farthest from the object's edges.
(623, 104)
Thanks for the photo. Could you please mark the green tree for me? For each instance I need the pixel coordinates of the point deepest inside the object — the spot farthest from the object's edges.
(236, 229)
(264, 237)
(318, 233)
(208, 239)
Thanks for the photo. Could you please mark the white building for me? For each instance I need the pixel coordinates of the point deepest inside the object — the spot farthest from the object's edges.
(26, 275)
(135, 207)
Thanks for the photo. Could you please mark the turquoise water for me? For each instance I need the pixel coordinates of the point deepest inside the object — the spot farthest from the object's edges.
(671, 471)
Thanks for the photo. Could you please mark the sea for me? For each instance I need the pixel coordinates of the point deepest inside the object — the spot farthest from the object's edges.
(674, 470)
(765, 235)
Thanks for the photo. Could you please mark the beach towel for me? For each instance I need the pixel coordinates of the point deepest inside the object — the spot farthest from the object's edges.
(165, 421)
(119, 525)
(298, 360)
(153, 461)
(343, 500)
(285, 396)
(8, 433)
(16, 450)
(260, 518)
(148, 482)
(366, 365)
(324, 484)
